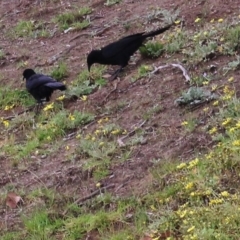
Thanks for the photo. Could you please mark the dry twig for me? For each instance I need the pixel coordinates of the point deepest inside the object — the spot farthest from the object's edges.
(184, 71)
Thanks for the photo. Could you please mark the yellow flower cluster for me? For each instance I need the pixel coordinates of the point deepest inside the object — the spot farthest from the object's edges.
(212, 130)
(189, 165)
(228, 93)
(216, 201)
(236, 143)
(193, 163)
(226, 122)
(8, 107)
(5, 123)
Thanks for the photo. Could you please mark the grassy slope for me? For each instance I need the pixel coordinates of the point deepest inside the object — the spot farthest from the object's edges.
(192, 198)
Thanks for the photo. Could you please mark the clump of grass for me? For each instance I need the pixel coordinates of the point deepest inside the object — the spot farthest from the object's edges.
(111, 2)
(152, 49)
(232, 38)
(59, 72)
(30, 28)
(2, 54)
(74, 19)
(14, 97)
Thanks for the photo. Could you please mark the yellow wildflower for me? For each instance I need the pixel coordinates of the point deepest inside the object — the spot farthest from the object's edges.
(213, 130)
(192, 194)
(212, 20)
(193, 163)
(61, 97)
(177, 21)
(216, 201)
(101, 144)
(8, 107)
(88, 136)
(220, 20)
(197, 20)
(97, 132)
(230, 79)
(238, 124)
(182, 214)
(98, 184)
(205, 33)
(181, 165)
(67, 148)
(124, 132)
(49, 138)
(189, 186)
(48, 106)
(221, 39)
(236, 143)
(191, 229)
(215, 103)
(205, 82)
(225, 194)
(232, 129)
(6, 123)
(115, 132)
(78, 136)
(71, 117)
(226, 122)
(214, 87)
(184, 123)
(84, 98)
(206, 109)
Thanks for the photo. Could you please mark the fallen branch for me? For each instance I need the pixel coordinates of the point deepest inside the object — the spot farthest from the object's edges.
(80, 201)
(120, 140)
(184, 71)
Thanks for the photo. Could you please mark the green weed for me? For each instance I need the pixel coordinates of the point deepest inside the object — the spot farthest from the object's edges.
(59, 72)
(73, 19)
(152, 49)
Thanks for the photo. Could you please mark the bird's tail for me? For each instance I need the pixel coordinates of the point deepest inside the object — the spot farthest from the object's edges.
(56, 85)
(159, 31)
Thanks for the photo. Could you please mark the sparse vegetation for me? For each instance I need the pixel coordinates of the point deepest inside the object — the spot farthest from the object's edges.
(134, 166)
(59, 72)
(74, 19)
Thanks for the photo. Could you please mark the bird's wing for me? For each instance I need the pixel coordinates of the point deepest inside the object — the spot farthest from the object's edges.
(119, 46)
(37, 80)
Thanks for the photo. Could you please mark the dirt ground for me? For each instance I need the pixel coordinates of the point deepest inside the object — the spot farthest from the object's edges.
(164, 138)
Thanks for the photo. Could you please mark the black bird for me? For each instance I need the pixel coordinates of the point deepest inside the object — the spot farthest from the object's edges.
(119, 52)
(41, 86)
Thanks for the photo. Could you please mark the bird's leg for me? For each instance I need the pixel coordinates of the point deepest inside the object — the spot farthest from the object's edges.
(39, 105)
(115, 74)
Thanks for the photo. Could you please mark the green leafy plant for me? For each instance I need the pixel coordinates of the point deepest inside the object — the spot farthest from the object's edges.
(59, 72)
(152, 49)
